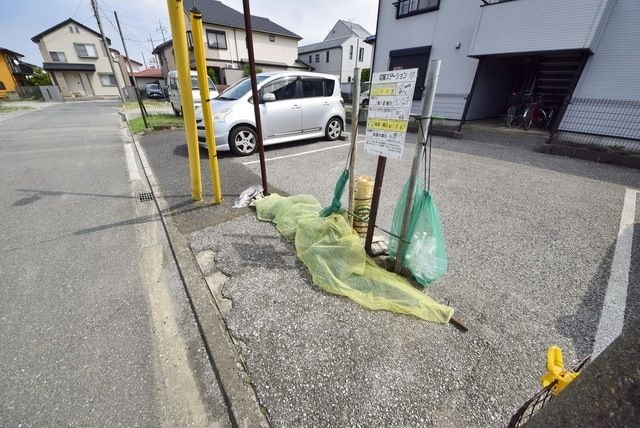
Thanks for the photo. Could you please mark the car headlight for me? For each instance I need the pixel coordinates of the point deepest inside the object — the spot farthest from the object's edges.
(221, 115)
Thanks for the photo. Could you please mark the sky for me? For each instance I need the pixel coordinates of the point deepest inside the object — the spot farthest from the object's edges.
(143, 19)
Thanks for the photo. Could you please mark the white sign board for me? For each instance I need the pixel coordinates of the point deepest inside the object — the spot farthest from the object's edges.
(390, 99)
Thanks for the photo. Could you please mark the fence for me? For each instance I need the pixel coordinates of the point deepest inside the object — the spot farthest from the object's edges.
(612, 124)
(29, 92)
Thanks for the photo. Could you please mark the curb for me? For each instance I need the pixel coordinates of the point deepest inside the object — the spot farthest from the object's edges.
(225, 359)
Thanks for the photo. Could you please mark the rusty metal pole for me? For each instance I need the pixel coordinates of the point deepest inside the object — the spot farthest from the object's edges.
(254, 91)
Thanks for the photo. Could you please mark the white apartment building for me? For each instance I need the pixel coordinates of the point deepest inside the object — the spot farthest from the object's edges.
(580, 56)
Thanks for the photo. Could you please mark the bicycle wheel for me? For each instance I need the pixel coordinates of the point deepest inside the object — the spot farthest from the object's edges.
(511, 114)
(527, 118)
(538, 118)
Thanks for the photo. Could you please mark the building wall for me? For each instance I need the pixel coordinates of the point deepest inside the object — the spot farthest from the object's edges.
(62, 40)
(346, 72)
(537, 25)
(282, 50)
(611, 74)
(443, 29)
(6, 76)
(334, 66)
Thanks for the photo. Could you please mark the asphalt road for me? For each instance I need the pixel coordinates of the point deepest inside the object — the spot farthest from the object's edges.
(530, 239)
(89, 334)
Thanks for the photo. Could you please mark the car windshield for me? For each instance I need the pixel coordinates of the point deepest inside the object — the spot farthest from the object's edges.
(239, 89)
(153, 86)
(195, 85)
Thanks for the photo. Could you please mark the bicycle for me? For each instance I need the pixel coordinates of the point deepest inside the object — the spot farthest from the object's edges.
(537, 115)
(517, 109)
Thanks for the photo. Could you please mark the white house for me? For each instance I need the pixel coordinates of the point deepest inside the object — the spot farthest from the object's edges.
(342, 50)
(581, 56)
(77, 61)
(275, 47)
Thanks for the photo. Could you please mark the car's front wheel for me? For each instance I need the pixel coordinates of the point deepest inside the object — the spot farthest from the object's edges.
(243, 141)
(334, 129)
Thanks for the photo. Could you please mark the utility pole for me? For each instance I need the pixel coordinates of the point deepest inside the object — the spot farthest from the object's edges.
(155, 57)
(144, 60)
(162, 30)
(94, 4)
(130, 74)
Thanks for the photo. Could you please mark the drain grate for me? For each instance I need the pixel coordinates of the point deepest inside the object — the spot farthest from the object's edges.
(145, 196)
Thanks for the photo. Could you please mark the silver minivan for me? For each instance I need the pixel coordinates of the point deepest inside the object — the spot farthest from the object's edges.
(294, 105)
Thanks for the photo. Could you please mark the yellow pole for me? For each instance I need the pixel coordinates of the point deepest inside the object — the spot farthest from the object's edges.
(195, 16)
(179, 35)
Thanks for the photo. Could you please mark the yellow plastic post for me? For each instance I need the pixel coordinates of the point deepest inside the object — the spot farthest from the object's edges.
(179, 35)
(195, 17)
(362, 203)
(556, 372)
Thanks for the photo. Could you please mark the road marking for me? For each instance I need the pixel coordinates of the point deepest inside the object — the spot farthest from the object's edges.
(615, 298)
(301, 153)
(134, 173)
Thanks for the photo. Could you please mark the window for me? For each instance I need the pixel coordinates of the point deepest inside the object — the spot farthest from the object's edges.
(351, 52)
(58, 57)
(283, 89)
(216, 39)
(361, 54)
(317, 57)
(327, 56)
(415, 7)
(108, 80)
(272, 38)
(312, 88)
(70, 28)
(2, 87)
(172, 83)
(86, 50)
(310, 59)
(189, 40)
(329, 85)
(349, 79)
(77, 30)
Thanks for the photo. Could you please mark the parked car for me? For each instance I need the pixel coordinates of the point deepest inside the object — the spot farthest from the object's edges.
(153, 90)
(174, 93)
(364, 98)
(294, 105)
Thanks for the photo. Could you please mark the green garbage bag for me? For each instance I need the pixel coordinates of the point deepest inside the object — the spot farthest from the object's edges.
(426, 254)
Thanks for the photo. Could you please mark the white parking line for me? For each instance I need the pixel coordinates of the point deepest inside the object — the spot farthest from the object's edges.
(300, 154)
(615, 298)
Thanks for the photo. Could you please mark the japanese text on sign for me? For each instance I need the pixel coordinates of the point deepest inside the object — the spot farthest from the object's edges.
(389, 106)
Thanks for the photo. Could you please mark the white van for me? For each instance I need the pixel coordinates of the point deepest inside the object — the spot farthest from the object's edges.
(174, 94)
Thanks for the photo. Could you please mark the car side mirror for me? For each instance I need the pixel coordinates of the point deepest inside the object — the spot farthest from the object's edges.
(268, 97)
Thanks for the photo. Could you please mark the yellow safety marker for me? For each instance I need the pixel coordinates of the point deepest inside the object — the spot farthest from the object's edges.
(179, 35)
(195, 17)
(556, 373)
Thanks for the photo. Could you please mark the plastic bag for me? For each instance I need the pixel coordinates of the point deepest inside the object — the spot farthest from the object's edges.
(247, 195)
(425, 255)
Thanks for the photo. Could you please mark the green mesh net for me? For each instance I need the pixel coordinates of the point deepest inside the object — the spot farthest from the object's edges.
(338, 264)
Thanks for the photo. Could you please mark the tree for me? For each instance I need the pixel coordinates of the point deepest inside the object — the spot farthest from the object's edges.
(246, 71)
(40, 77)
(365, 75)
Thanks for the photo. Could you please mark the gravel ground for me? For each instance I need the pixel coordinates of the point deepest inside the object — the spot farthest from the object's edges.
(530, 240)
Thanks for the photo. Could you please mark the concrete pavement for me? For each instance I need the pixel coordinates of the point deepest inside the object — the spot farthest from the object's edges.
(530, 240)
(95, 327)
